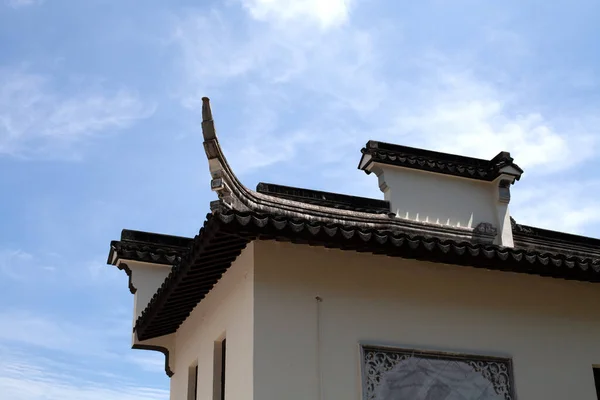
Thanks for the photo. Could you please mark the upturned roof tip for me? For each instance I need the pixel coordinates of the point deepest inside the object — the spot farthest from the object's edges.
(206, 112)
(208, 126)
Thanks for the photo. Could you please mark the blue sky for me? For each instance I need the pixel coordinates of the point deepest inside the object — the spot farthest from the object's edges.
(100, 130)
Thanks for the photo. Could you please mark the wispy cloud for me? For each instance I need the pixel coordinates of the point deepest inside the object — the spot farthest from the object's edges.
(569, 206)
(49, 357)
(465, 115)
(326, 13)
(30, 328)
(278, 73)
(50, 269)
(38, 120)
(27, 377)
(23, 3)
(320, 94)
(13, 263)
(148, 360)
(441, 103)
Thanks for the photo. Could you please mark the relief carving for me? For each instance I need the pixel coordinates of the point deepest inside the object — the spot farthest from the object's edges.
(396, 374)
(485, 228)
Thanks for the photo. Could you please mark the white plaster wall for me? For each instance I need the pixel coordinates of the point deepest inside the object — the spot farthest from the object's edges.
(437, 198)
(227, 311)
(146, 278)
(550, 327)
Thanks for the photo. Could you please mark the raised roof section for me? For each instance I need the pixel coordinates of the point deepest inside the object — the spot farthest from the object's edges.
(441, 163)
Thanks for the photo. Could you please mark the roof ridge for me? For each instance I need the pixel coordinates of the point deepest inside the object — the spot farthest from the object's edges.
(551, 237)
(326, 199)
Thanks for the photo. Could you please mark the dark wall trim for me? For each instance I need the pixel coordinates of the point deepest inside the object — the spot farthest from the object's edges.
(125, 267)
(162, 349)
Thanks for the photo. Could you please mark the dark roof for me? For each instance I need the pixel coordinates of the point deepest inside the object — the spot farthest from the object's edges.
(148, 247)
(190, 280)
(332, 220)
(433, 161)
(538, 239)
(225, 234)
(326, 199)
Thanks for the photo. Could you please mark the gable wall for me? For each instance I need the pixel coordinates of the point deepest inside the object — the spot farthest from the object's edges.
(146, 278)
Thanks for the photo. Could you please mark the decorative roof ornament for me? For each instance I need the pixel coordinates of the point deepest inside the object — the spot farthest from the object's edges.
(208, 126)
(233, 195)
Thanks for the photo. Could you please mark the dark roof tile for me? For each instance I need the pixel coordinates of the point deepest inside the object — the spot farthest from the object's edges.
(433, 161)
(148, 247)
(225, 235)
(326, 199)
(538, 239)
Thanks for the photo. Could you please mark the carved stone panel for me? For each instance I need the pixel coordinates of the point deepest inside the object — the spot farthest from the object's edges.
(400, 374)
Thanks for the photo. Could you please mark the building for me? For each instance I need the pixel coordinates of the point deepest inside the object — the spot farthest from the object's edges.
(434, 293)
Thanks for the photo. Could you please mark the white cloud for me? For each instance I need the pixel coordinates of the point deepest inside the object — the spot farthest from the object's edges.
(27, 377)
(92, 349)
(275, 71)
(565, 206)
(38, 120)
(327, 13)
(18, 326)
(430, 101)
(99, 272)
(464, 115)
(318, 95)
(23, 3)
(44, 270)
(22, 266)
(13, 262)
(150, 361)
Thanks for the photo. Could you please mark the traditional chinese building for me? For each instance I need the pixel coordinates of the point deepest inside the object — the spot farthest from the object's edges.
(433, 293)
